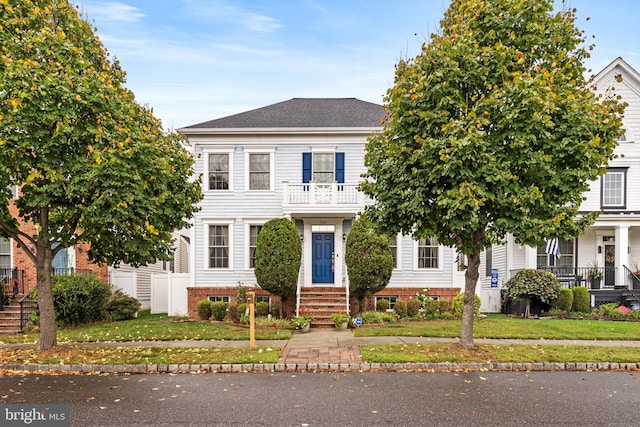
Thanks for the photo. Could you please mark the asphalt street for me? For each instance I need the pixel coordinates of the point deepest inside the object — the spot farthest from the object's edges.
(331, 399)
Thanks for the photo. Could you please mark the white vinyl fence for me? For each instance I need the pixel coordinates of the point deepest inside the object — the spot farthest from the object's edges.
(169, 294)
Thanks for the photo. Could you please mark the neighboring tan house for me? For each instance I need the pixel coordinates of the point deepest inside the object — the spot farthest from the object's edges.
(301, 159)
(611, 246)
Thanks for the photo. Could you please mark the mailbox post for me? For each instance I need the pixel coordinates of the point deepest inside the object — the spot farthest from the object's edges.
(251, 297)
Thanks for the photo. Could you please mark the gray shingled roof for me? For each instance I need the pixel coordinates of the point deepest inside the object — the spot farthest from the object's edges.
(304, 112)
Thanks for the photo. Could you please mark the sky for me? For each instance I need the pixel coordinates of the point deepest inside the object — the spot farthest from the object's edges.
(198, 60)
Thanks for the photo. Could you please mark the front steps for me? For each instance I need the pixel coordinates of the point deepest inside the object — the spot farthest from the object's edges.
(322, 302)
(10, 318)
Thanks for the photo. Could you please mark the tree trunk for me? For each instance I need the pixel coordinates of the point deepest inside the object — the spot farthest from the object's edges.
(48, 337)
(471, 278)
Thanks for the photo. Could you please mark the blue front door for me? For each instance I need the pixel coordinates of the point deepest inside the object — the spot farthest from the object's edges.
(322, 254)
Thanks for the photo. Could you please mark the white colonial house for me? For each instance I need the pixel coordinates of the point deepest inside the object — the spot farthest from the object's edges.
(301, 159)
(611, 246)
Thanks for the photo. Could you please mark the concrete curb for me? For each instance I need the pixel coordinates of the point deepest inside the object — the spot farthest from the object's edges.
(320, 367)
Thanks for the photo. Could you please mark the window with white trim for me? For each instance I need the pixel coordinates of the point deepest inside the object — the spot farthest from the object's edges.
(394, 244)
(323, 167)
(5, 253)
(613, 194)
(488, 261)
(259, 170)
(567, 255)
(254, 230)
(219, 171)
(392, 300)
(219, 246)
(428, 251)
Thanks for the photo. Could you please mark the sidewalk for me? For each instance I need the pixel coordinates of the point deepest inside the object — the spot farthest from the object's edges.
(330, 350)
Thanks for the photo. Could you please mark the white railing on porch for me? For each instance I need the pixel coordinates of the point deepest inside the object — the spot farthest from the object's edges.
(322, 194)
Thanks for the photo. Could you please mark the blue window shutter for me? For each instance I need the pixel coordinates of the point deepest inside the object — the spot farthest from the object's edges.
(306, 167)
(340, 168)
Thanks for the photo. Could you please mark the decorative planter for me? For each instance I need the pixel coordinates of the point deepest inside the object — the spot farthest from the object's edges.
(343, 325)
(305, 328)
(595, 283)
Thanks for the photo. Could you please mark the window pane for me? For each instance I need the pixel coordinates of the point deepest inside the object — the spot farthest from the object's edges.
(612, 194)
(259, 176)
(393, 244)
(323, 167)
(488, 261)
(5, 253)
(218, 246)
(253, 239)
(428, 253)
(218, 171)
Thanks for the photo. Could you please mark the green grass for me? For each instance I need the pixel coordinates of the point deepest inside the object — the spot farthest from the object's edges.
(501, 326)
(154, 327)
(444, 352)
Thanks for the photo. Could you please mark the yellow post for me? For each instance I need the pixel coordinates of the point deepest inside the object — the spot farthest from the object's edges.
(251, 296)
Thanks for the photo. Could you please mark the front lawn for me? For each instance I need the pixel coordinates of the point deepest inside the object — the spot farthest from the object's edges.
(446, 352)
(154, 327)
(501, 326)
(70, 354)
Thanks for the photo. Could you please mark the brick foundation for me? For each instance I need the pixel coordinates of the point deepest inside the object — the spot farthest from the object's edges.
(404, 294)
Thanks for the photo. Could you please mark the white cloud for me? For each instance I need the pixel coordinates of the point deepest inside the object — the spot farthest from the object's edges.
(115, 11)
(249, 20)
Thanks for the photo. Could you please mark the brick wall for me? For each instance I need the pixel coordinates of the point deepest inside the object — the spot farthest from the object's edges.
(22, 262)
(195, 295)
(404, 294)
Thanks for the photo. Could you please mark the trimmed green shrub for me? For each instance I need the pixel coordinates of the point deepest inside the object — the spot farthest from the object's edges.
(564, 300)
(458, 305)
(204, 309)
(382, 305)
(278, 257)
(241, 309)
(581, 300)
(400, 308)
(369, 260)
(370, 317)
(121, 306)
(262, 308)
(219, 310)
(232, 313)
(413, 307)
(79, 299)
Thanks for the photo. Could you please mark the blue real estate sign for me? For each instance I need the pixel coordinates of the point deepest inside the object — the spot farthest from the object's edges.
(494, 277)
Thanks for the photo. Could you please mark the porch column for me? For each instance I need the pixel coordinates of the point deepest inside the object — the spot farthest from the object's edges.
(622, 252)
(531, 257)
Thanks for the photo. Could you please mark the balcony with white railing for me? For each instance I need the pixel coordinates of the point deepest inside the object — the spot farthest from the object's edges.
(323, 198)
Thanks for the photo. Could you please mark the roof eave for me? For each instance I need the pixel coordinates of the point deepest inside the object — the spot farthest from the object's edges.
(274, 131)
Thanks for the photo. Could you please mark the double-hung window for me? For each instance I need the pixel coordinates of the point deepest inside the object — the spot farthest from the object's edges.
(323, 167)
(613, 194)
(394, 244)
(259, 170)
(219, 171)
(5, 253)
(567, 255)
(219, 246)
(254, 230)
(428, 253)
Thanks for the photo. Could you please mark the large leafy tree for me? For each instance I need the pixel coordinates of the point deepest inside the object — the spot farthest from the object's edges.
(369, 260)
(92, 165)
(491, 129)
(278, 258)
